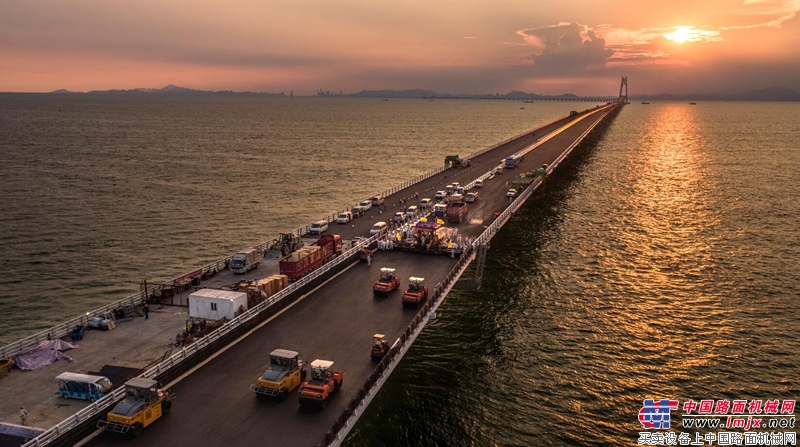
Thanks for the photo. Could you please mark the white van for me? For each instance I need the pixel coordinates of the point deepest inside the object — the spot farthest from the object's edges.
(318, 227)
(366, 204)
(379, 228)
(411, 211)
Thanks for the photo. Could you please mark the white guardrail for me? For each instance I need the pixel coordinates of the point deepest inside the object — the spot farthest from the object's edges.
(487, 234)
(106, 402)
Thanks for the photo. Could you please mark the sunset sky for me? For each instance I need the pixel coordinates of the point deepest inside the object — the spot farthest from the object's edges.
(464, 46)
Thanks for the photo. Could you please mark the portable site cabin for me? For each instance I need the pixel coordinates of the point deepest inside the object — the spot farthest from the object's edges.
(213, 304)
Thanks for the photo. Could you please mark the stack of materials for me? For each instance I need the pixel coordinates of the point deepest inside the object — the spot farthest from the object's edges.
(261, 289)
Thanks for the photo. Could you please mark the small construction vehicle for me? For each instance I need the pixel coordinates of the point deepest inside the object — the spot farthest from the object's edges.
(324, 381)
(379, 347)
(456, 161)
(417, 292)
(287, 244)
(387, 283)
(144, 403)
(284, 374)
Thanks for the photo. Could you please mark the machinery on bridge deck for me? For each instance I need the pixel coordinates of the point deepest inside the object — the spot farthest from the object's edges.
(324, 381)
(285, 373)
(386, 283)
(379, 347)
(287, 244)
(144, 403)
(456, 161)
(417, 292)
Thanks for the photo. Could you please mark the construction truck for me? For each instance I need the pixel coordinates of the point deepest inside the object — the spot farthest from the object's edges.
(144, 403)
(387, 283)
(456, 162)
(246, 260)
(308, 259)
(324, 381)
(457, 212)
(285, 373)
(417, 292)
(287, 244)
(379, 347)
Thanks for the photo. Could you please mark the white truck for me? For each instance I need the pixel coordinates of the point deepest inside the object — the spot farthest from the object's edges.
(245, 260)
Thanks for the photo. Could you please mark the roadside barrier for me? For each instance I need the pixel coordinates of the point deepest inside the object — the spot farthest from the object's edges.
(347, 420)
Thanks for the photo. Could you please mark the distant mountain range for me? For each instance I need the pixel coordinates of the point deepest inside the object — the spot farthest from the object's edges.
(172, 90)
(767, 94)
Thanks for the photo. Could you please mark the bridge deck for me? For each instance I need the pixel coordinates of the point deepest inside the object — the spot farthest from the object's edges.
(214, 405)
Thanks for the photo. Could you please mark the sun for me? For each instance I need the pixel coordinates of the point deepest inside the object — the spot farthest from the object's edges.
(681, 34)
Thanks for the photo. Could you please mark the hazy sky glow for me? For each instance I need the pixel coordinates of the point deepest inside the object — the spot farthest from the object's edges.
(466, 46)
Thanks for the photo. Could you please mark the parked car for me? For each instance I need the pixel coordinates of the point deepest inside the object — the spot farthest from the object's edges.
(344, 217)
(379, 228)
(440, 195)
(318, 227)
(479, 183)
(366, 204)
(377, 201)
(357, 211)
(425, 203)
(511, 193)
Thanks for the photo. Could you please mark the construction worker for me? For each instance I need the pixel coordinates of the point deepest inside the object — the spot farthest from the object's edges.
(23, 415)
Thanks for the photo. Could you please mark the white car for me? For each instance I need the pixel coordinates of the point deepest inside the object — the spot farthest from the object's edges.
(511, 193)
(379, 228)
(498, 170)
(440, 195)
(318, 227)
(479, 183)
(344, 217)
(366, 204)
(425, 203)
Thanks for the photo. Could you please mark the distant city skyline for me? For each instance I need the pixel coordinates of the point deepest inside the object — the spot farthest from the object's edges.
(576, 46)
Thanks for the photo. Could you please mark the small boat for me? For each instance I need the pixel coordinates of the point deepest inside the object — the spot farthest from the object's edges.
(692, 103)
(645, 102)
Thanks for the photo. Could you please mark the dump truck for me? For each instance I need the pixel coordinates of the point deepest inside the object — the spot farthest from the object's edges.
(417, 292)
(144, 403)
(457, 212)
(324, 381)
(287, 244)
(308, 259)
(379, 347)
(285, 373)
(246, 260)
(386, 283)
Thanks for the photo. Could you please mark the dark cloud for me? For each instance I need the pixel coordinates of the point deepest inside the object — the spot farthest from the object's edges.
(562, 49)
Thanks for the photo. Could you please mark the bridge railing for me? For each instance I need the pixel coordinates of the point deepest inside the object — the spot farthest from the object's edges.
(347, 420)
(104, 404)
(176, 359)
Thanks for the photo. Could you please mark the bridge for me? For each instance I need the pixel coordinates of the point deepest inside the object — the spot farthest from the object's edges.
(331, 314)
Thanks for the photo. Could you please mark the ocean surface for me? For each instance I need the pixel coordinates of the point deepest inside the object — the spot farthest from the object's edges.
(661, 262)
(101, 192)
